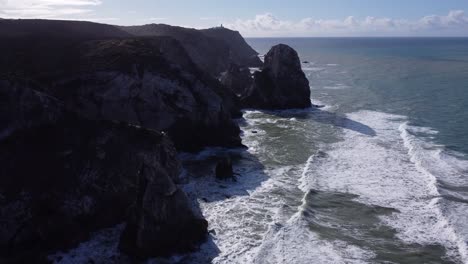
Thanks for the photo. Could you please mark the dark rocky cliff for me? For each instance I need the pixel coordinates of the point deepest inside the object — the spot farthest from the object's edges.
(240, 52)
(209, 54)
(73, 137)
(237, 79)
(90, 120)
(55, 29)
(146, 81)
(213, 50)
(63, 177)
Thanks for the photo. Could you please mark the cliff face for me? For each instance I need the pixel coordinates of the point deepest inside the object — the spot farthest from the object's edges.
(149, 82)
(236, 79)
(80, 107)
(240, 52)
(63, 177)
(281, 84)
(73, 137)
(207, 53)
(54, 29)
(212, 50)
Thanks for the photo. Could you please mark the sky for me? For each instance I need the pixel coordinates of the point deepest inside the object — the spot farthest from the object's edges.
(262, 18)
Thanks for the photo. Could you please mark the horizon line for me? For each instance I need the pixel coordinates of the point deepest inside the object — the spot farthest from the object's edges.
(246, 37)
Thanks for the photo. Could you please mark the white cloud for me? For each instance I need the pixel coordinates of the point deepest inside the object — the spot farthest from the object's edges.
(47, 8)
(454, 23)
(262, 23)
(453, 19)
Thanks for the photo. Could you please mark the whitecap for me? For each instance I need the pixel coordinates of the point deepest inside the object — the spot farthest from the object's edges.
(313, 69)
(336, 87)
(392, 169)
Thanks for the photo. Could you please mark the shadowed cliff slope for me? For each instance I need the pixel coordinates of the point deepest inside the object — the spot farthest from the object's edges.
(146, 81)
(63, 177)
(240, 52)
(213, 50)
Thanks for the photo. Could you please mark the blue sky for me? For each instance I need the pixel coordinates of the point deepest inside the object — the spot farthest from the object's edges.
(264, 18)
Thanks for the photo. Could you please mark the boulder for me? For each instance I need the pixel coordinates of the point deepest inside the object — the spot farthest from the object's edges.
(281, 84)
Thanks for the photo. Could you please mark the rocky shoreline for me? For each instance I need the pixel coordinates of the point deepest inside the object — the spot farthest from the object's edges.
(93, 115)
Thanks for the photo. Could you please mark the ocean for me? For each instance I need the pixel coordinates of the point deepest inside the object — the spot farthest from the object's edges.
(378, 175)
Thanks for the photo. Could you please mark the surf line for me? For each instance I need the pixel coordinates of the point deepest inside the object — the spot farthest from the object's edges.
(412, 152)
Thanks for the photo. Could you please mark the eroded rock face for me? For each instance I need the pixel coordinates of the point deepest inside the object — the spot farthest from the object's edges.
(63, 177)
(78, 145)
(240, 52)
(212, 50)
(158, 90)
(55, 29)
(161, 223)
(237, 80)
(150, 82)
(281, 84)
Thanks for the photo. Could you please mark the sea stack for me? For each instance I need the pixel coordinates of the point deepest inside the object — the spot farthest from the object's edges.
(281, 84)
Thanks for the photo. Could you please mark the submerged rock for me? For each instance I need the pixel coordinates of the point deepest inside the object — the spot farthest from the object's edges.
(281, 84)
(224, 169)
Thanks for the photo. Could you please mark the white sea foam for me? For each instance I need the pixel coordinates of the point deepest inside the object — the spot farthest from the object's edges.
(433, 161)
(262, 57)
(313, 69)
(292, 241)
(254, 69)
(338, 86)
(258, 219)
(390, 169)
(295, 243)
(241, 214)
